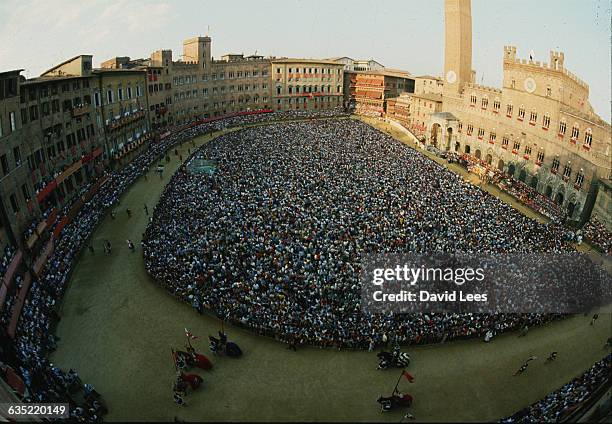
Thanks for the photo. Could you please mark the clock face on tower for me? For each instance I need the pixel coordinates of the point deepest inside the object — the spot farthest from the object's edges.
(530, 85)
(451, 77)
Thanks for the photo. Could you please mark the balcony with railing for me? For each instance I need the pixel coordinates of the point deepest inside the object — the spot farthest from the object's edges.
(115, 124)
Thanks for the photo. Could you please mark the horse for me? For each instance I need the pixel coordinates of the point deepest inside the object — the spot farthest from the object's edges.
(396, 400)
(194, 359)
(232, 350)
(396, 359)
(194, 381)
(222, 346)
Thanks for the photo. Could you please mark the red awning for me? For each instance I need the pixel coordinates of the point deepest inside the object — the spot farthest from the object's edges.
(3, 291)
(46, 191)
(20, 300)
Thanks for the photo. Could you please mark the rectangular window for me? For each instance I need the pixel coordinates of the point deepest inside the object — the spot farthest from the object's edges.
(33, 113)
(17, 155)
(13, 121)
(14, 203)
(120, 94)
(109, 96)
(5, 165)
(25, 192)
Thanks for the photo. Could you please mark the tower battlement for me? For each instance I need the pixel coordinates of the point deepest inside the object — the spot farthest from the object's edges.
(556, 63)
(485, 88)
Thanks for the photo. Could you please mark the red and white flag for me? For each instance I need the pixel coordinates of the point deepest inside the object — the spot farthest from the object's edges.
(190, 336)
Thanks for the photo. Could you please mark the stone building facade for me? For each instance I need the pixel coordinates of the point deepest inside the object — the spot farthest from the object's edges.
(370, 91)
(538, 127)
(351, 64)
(306, 84)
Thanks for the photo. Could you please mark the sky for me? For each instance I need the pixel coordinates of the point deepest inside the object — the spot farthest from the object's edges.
(401, 34)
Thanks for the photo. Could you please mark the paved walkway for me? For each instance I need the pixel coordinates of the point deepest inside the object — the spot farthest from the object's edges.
(117, 328)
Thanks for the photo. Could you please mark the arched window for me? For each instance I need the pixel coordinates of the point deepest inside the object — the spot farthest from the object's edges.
(533, 117)
(485, 102)
(555, 165)
(575, 131)
(567, 170)
(562, 127)
(588, 137)
(521, 113)
(546, 121)
(496, 105)
(509, 109)
(579, 179)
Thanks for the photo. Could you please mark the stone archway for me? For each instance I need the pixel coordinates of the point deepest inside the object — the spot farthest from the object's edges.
(548, 192)
(449, 137)
(489, 159)
(571, 208)
(457, 146)
(467, 149)
(534, 182)
(511, 169)
(478, 154)
(500, 165)
(523, 176)
(436, 130)
(559, 198)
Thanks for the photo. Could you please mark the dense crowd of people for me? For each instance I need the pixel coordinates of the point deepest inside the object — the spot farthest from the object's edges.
(559, 404)
(598, 234)
(34, 338)
(273, 238)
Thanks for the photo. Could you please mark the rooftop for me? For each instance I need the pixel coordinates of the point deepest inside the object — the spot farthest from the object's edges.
(444, 115)
(48, 71)
(9, 73)
(434, 97)
(298, 60)
(429, 77)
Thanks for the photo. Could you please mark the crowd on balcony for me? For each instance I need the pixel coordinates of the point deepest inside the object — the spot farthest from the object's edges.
(526, 194)
(7, 257)
(272, 240)
(598, 234)
(558, 405)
